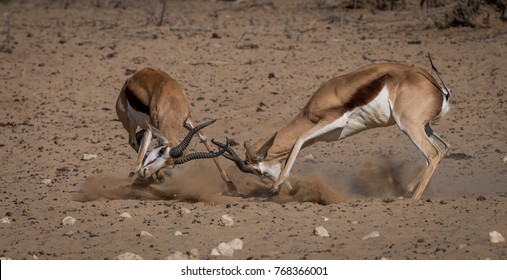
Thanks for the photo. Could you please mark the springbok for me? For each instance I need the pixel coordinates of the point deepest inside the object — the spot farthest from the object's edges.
(376, 95)
(155, 102)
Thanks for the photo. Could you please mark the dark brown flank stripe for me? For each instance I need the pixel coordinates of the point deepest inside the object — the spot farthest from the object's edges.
(136, 103)
(366, 93)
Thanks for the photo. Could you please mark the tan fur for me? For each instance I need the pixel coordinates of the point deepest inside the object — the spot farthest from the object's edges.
(168, 108)
(413, 94)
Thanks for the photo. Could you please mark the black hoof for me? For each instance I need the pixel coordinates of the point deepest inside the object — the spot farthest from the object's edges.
(273, 192)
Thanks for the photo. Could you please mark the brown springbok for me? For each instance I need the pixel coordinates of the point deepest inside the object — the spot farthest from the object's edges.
(155, 102)
(375, 95)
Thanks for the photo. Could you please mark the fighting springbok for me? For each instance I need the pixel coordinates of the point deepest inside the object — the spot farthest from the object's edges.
(155, 102)
(376, 95)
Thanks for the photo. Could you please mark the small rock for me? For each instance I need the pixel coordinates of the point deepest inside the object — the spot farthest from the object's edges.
(87, 157)
(236, 244)
(5, 220)
(214, 252)
(325, 219)
(183, 211)
(372, 234)
(128, 256)
(125, 215)
(69, 233)
(496, 237)
(309, 158)
(354, 222)
(47, 181)
(176, 256)
(145, 234)
(462, 246)
(67, 221)
(193, 254)
(178, 233)
(226, 221)
(320, 231)
(225, 249)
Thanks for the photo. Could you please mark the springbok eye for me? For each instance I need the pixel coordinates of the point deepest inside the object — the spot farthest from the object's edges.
(161, 152)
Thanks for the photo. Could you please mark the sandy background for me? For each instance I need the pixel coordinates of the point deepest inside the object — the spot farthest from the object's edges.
(251, 65)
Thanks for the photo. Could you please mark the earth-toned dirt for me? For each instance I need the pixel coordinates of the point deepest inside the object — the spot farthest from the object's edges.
(251, 65)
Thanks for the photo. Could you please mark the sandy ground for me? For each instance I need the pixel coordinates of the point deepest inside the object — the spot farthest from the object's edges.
(251, 65)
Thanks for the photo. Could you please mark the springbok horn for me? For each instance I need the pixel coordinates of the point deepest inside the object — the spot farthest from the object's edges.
(200, 155)
(178, 150)
(231, 155)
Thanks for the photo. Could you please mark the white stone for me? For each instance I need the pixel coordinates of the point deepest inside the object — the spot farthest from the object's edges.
(87, 157)
(47, 181)
(145, 234)
(496, 237)
(176, 256)
(193, 254)
(5, 220)
(226, 220)
(128, 256)
(214, 252)
(225, 249)
(125, 215)
(67, 221)
(354, 222)
(325, 219)
(372, 234)
(320, 231)
(183, 211)
(178, 233)
(236, 244)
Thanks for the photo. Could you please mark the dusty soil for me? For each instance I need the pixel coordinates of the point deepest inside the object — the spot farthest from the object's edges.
(251, 65)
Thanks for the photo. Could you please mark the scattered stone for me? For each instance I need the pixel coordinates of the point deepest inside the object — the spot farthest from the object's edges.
(226, 221)
(178, 233)
(87, 157)
(354, 222)
(496, 237)
(236, 244)
(193, 254)
(325, 219)
(125, 216)
(183, 211)
(5, 220)
(372, 234)
(177, 256)
(67, 221)
(145, 234)
(214, 252)
(69, 233)
(128, 256)
(225, 249)
(462, 246)
(320, 231)
(47, 181)
(309, 158)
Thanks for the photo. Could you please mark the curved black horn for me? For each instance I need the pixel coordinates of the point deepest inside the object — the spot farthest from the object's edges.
(200, 155)
(231, 155)
(178, 150)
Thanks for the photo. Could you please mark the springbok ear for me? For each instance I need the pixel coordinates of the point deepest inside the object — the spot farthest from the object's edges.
(157, 133)
(263, 151)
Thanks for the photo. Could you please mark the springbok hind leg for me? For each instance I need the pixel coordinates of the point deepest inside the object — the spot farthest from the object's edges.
(434, 149)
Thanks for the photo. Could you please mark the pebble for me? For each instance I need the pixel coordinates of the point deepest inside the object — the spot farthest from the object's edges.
(87, 157)
(177, 256)
(226, 221)
(225, 249)
(183, 211)
(67, 221)
(5, 220)
(145, 234)
(236, 244)
(214, 252)
(496, 237)
(69, 233)
(47, 181)
(325, 219)
(178, 233)
(128, 256)
(125, 215)
(320, 231)
(372, 234)
(193, 254)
